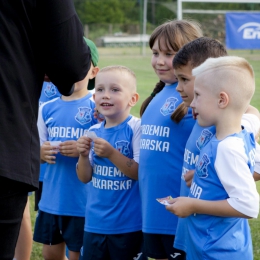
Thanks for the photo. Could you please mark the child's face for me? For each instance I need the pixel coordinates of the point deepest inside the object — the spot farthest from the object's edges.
(114, 94)
(162, 62)
(185, 84)
(205, 102)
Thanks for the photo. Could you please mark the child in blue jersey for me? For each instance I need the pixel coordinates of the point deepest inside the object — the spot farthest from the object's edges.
(188, 57)
(223, 193)
(163, 141)
(60, 220)
(108, 162)
(49, 92)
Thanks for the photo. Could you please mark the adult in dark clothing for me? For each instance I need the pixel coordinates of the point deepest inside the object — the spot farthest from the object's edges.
(25, 58)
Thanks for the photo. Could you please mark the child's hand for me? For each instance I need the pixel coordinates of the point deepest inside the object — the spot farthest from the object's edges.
(84, 145)
(181, 206)
(69, 148)
(188, 177)
(48, 152)
(103, 148)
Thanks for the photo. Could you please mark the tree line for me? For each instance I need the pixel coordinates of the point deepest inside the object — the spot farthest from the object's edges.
(130, 11)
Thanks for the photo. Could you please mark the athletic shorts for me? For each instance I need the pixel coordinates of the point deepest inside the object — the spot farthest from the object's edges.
(161, 246)
(127, 246)
(37, 196)
(53, 229)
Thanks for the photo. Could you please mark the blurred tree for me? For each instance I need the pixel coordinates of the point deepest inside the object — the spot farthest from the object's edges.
(161, 10)
(105, 11)
(128, 11)
(110, 16)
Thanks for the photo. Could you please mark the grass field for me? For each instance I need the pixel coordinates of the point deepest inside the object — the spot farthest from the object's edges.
(146, 80)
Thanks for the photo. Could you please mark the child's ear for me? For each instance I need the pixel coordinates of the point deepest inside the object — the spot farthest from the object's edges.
(94, 96)
(223, 100)
(134, 99)
(94, 72)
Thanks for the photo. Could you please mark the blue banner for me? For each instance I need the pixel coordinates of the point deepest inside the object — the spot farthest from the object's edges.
(243, 31)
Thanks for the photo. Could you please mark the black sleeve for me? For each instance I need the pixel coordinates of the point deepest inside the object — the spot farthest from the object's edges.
(67, 57)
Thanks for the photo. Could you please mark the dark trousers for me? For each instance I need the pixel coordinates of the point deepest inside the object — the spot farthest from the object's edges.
(13, 198)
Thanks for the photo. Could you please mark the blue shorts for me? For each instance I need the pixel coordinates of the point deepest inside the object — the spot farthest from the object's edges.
(161, 246)
(127, 246)
(53, 229)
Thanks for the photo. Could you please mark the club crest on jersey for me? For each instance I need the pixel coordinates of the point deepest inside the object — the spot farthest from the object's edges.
(50, 90)
(202, 166)
(204, 138)
(123, 147)
(169, 106)
(84, 115)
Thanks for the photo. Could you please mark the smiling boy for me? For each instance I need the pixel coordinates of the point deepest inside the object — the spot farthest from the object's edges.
(113, 211)
(223, 193)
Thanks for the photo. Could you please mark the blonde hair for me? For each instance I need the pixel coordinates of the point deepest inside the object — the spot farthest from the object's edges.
(122, 69)
(231, 74)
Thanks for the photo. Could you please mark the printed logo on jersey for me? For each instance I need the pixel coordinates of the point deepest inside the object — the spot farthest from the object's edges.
(204, 138)
(123, 147)
(201, 167)
(84, 115)
(50, 90)
(169, 106)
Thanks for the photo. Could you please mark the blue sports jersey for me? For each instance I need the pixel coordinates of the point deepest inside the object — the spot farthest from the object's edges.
(199, 137)
(63, 193)
(224, 172)
(49, 92)
(161, 157)
(113, 203)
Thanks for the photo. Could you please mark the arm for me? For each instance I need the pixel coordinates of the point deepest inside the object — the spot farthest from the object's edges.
(126, 165)
(84, 168)
(235, 176)
(185, 206)
(66, 57)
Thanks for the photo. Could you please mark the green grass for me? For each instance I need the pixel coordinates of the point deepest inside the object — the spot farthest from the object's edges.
(146, 80)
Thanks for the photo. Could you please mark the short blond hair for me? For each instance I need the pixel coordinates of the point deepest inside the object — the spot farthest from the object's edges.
(231, 74)
(122, 69)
